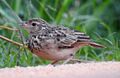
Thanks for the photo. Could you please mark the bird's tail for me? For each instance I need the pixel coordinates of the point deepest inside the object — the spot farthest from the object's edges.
(96, 45)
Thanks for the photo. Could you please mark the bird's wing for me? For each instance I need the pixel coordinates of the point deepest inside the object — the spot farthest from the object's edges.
(67, 38)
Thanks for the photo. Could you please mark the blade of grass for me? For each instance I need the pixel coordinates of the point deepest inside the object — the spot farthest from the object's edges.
(64, 7)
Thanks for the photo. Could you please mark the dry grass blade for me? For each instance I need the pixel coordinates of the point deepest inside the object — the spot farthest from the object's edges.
(8, 28)
(11, 41)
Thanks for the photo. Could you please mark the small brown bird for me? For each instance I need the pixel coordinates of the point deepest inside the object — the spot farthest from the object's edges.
(55, 42)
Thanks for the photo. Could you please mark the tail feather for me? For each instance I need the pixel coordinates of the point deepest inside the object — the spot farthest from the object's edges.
(96, 45)
(83, 37)
(84, 40)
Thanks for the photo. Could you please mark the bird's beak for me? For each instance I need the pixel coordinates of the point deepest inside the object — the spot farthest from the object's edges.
(23, 24)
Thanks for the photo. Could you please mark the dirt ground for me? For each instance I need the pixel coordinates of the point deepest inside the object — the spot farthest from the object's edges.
(82, 70)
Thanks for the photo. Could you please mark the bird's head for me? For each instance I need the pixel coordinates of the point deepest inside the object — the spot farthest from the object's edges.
(34, 25)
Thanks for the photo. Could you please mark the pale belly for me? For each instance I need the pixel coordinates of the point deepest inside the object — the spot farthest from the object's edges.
(56, 54)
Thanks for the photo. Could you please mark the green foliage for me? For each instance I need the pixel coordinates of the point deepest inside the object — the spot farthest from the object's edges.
(97, 18)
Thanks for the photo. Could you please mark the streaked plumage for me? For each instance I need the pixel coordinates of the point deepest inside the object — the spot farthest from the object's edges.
(54, 42)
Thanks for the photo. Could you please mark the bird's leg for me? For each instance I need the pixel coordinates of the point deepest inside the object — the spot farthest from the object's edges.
(54, 62)
(69, 59)
(79, 61)
(76, 60)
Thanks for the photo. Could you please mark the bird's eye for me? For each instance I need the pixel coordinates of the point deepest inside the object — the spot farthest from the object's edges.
(34, 24)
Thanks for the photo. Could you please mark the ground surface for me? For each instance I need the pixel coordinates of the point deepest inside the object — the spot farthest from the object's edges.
(82, 70)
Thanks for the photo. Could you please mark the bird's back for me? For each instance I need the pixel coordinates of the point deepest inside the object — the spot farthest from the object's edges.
(57, 37)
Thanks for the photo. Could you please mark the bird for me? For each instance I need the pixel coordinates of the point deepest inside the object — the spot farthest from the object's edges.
(53, 42)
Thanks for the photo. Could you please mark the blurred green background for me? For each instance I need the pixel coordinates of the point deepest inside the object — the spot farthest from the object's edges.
(100, 19)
